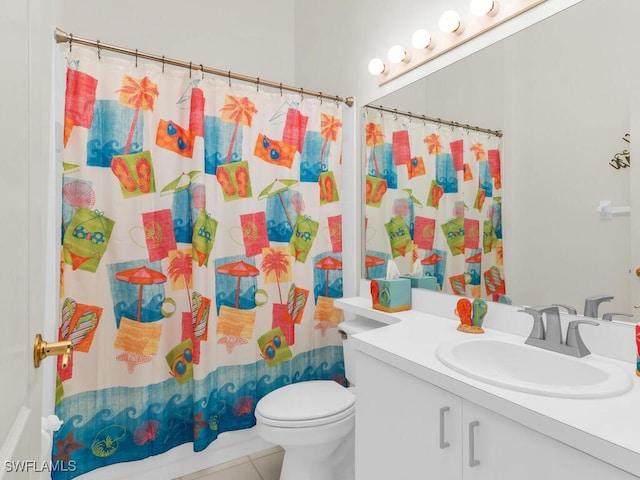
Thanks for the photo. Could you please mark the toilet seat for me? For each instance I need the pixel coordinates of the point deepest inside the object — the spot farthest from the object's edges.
(306, 404)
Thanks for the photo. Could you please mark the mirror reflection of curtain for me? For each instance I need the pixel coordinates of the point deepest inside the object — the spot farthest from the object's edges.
(202, 253)
(433, 197)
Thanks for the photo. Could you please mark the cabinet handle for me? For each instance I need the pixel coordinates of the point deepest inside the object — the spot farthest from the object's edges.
(472, 444)
(443, 444)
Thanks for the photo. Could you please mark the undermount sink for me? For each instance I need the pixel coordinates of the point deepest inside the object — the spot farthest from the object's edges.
(534, 370)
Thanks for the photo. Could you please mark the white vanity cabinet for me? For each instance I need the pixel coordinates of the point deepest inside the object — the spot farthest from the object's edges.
(405, 427)
(507, 450)
(408, 429)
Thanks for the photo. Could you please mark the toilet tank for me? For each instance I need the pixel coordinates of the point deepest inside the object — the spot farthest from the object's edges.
(347, 329)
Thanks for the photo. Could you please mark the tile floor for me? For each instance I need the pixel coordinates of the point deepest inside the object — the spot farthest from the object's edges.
(264, 465)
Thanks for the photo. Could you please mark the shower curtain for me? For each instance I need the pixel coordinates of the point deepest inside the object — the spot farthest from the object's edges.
(200, 255)
(434, 203)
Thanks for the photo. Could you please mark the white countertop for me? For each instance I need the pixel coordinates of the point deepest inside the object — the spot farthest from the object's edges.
(608, 428)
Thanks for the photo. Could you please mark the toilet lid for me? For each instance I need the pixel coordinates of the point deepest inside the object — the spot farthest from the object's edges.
(304, 401)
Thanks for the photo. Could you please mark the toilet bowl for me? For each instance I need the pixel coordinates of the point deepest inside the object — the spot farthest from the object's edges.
(314, 421)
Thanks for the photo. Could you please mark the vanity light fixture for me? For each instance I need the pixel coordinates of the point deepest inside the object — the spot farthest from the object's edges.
(422, 39)
(376, 66)
(455, 30)
(480, 8)
(397, 54)
(450, 22)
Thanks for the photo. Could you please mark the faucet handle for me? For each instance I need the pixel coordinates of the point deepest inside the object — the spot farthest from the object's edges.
(609, 315)
(548, 309)
(574, 339)
(570, 310)
(533, 311)
(538, 327)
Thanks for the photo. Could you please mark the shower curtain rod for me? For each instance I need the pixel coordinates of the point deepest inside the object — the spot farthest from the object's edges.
(497, 133)
(62, 36)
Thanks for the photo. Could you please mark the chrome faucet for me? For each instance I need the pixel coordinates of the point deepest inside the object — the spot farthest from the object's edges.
(550, 338)
(591, 304)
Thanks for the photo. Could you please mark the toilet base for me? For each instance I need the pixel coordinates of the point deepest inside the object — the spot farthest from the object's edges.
(300, 463)
(336, 463)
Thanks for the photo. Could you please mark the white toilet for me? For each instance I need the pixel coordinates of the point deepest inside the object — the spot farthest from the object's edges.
(314, 421)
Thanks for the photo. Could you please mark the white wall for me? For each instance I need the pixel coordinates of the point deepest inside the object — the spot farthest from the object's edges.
(251, 37)
(12, 183)
(24, 133)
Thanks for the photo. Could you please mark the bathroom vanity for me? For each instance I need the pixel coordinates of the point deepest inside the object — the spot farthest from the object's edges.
(418, 418)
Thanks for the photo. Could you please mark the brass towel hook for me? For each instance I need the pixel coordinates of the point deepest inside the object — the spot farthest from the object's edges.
(42, 350)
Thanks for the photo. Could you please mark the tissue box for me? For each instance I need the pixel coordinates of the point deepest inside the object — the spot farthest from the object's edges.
(391, 295)
(428, 282)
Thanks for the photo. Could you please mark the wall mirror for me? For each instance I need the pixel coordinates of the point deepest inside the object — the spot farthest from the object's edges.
(561, 92)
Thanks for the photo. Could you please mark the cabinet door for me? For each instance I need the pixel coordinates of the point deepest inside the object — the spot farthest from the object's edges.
(406, 429)
(495, 447)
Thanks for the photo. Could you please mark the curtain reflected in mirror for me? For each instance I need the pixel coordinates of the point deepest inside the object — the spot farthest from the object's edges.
(433, 203)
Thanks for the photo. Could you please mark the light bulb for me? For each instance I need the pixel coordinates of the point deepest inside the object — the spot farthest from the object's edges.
(376, 66)
(421, 39)
(397, 54)
(481, 8)
(450, 22)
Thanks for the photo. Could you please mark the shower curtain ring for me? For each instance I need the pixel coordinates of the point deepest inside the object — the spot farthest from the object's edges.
(229, 78)
(70, 42)
(98, 46)
(320, 97)
(258, 84)
(202, 69)
(189, 69)
(162, 63)
(301, 94)
(280, 88)
(136, 58)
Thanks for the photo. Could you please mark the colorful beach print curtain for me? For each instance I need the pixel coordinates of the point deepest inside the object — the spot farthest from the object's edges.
(201, 253)
(434, 203)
